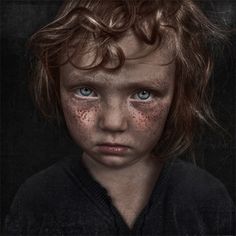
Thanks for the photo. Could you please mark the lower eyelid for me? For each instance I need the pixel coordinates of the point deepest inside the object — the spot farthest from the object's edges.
(83, 98)
(139, 101)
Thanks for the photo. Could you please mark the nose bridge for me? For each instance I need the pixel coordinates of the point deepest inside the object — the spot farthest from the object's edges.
(114, 115)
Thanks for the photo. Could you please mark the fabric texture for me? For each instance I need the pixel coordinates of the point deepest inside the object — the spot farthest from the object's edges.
(65, 200)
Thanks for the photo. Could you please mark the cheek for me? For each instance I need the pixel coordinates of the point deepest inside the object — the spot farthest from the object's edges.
(150, 118)
(80, 117)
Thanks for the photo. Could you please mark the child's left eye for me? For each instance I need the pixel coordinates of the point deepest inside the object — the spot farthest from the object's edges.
(85, 92)
(142, 95)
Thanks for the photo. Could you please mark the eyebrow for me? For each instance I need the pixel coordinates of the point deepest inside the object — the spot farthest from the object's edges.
(101, 83)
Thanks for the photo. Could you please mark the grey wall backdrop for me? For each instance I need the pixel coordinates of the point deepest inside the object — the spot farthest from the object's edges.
(30, 144)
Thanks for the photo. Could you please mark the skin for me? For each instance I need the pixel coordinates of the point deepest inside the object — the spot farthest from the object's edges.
(101, 107)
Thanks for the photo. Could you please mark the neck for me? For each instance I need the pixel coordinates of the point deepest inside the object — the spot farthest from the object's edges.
(143, 171)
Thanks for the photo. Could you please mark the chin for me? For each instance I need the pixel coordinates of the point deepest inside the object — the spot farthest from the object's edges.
(113, 161)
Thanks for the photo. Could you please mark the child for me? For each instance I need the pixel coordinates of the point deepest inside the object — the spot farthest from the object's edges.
(129, 79)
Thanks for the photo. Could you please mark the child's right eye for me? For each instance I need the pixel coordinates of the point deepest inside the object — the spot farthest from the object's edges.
(85, 92)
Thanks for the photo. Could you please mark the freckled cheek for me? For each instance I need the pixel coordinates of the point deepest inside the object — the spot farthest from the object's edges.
(152, 119)
(79, 117)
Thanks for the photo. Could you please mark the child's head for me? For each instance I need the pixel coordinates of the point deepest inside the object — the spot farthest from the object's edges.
(140, 67)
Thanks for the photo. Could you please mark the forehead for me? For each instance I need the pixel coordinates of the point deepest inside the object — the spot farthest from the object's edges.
(134, 48)
(143, 62)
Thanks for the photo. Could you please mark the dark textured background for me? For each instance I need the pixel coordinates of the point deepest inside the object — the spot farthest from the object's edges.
(30, 144)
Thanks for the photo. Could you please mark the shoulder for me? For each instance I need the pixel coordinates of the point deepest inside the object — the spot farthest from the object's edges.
(194, 195)
(196, 183)
(47, 186)
(41, 199)
(29, 210)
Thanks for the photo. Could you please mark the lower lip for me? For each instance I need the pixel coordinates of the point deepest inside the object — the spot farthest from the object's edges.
(112, 149)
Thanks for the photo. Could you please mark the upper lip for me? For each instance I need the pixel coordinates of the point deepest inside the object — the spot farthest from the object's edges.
(112, 144)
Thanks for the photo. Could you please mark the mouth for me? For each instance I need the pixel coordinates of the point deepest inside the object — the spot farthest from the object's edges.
(112, 148)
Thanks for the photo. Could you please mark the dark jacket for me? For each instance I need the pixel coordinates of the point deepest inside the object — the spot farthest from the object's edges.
(65, 200)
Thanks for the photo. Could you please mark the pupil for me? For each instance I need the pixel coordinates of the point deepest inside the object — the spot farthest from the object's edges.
(85, 91)
(144, 95)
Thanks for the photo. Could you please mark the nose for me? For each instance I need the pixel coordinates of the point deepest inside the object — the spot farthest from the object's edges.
(113, 118)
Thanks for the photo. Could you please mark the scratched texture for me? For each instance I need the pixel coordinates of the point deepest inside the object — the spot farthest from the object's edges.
(30, 144)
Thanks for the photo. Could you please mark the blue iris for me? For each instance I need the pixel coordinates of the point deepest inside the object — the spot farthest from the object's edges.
(85, 91)
(143, 95)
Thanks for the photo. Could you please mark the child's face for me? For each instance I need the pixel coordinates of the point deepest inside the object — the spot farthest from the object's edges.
(117, 118)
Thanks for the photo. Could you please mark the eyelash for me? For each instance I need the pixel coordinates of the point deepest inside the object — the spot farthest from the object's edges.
(151, 94)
